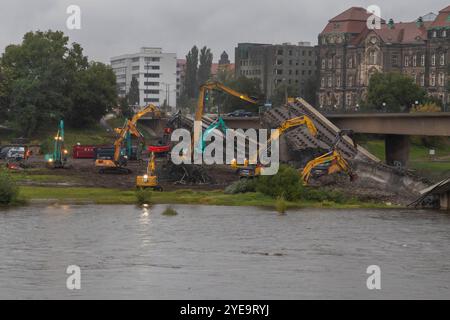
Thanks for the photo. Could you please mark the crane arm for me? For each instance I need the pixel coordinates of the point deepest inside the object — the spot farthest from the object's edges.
(217, 86)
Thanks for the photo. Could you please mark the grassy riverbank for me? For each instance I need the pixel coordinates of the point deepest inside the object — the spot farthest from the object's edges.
(113, 196)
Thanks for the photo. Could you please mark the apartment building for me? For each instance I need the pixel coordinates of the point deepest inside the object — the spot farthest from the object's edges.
(156, 72)
(291, 64)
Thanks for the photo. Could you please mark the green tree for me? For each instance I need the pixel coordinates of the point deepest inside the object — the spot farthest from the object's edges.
(191, 80)
(393, 92)
(204, 69)
(228, 103)
(93, 95)
(282, 92)
(45, 79)
(133, 93)
(311, 87)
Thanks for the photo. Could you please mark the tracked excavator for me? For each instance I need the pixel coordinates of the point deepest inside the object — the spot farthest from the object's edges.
(331, 162)
(247, 170)
(118, 162)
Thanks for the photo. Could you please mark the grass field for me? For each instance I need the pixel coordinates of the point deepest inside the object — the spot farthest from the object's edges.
(215, 197)
(436, 168)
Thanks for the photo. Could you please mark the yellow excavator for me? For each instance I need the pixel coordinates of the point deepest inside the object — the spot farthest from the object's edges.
(149, 179)
(214, 85)
(330, 162)
(118, 162)
(248, 171)
(219, 123)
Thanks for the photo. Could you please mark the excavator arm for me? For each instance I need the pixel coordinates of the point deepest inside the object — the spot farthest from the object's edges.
(220, 87)
(288, 124)
(333, 159)
(130, 126)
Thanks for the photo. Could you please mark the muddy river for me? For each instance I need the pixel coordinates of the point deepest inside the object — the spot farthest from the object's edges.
(222, 252)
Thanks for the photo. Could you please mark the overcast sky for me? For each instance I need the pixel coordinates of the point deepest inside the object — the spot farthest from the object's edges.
(114, 27)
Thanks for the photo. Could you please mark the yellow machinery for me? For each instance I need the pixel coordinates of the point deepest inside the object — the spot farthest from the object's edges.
(117, 163)
(150, 179)
(329, 163)
(208, 86)
(246, 170)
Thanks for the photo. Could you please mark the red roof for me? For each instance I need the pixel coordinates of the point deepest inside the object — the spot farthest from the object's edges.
(443, 18)
(403, 32)
(352, 20)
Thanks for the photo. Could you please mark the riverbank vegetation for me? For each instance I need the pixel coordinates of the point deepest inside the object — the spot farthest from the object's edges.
(9, 190)
(76, 195)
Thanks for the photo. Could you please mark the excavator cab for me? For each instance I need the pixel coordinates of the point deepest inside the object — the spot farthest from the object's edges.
(330, 162)
(149, 179)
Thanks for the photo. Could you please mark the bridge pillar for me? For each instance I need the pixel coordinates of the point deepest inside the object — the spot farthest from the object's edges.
(397, 149)
(445, 201)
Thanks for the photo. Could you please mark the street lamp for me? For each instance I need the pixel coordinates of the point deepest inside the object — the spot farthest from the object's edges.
(384, 106)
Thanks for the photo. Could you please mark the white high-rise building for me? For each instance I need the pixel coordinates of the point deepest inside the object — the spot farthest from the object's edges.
(156, 72)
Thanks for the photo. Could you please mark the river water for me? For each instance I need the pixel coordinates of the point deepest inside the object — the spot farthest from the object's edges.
(222, 253)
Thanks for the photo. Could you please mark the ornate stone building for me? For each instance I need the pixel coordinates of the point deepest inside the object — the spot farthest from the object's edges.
(350, 52)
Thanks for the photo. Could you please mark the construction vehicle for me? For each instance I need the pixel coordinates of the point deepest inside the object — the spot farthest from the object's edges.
(149, 179)
(58, 158)
(247, 170)
(118, 162)
(219, 123)
(209, 86)
(330, 162)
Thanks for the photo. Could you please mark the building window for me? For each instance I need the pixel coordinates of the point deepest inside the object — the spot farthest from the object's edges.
(348, 99)
(330, 63)
(323, 63)
(434, 34)
(442, 59)
(280, 52)
(414, 60)
(338, 63)
(432, 80)
(135, 68)
(422, 60)
(330, 82)
(350, 81)
(322, 82)
(151, 75)
(373, 57)
(433, 60)
(406, 61)
(151, 91)
(135, 59)
(151, 99)
(338, 81)
(350, 63)
(441, 79)
(444, 33)
(422, 80)
(394, 60)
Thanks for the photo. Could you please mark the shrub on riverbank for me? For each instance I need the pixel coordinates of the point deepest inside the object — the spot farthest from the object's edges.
(288, 185)
(9, 191)
(280, 205)
(143, 196)
(169, 212)
(241, 186)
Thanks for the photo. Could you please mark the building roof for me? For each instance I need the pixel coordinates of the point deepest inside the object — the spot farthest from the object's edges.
(443, 19)
(352, 20)
(403, 32)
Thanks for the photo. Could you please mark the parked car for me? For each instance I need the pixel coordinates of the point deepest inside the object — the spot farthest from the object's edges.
(4, 152)
(240, 113)
(16, 153)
